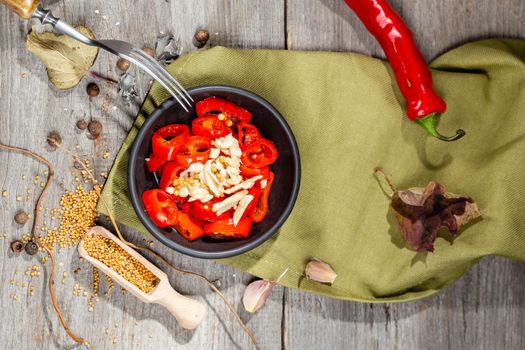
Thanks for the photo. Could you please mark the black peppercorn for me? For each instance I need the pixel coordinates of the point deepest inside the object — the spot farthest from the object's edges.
(81, 124)
(93, 90)
(201, 38)
(149, 51)
(21, 217)
(31, 248)
(123, 65)
(54, 139)
(95, 128)
(17, 246)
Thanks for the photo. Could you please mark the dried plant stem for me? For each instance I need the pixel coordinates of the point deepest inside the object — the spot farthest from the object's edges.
(98, 76)
(38, 204)
(52, 293)
(378, 172)
(48, 182)
(158, 256)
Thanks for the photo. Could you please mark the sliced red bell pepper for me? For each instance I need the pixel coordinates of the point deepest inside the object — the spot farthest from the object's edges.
(196, 149)
(170, 174)
(160, 207)
(189, 227)
(256, 192)
(203, 211)
(154, 163)
(226, 228)
(251, 172)
(261, 209)
(168, 139)
(209, 126)
(230, 110)
(247, 133)
(259, 153)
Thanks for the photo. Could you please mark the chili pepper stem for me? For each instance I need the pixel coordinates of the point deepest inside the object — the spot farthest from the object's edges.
(429, 124)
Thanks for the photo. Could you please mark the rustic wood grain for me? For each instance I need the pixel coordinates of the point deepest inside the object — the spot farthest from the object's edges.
(484, 310)
(437, 25)
(30, 322)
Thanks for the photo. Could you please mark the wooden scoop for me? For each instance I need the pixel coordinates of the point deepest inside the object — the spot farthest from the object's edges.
(188, 312)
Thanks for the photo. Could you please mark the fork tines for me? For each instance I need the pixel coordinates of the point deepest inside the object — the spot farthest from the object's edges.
(159, 73)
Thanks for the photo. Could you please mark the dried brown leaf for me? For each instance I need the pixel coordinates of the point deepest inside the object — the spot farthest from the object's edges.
(421, 212)
(66, 59)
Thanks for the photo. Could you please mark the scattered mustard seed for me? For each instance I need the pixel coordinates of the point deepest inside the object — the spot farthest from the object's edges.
(117, 259)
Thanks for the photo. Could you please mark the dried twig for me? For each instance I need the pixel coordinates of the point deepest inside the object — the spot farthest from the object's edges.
(38, 204)
(48, 182)
(158, 256)
(379, 172)
(52, 293)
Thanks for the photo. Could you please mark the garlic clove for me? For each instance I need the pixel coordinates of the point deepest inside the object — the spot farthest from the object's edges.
(255, 295)
(319, 271)
(257, 292)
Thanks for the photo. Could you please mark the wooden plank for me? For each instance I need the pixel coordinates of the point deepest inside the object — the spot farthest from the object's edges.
(484, 310)
(437, 25)
(481, 311)
(31, 108)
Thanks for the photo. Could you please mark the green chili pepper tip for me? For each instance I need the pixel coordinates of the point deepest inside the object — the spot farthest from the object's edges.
(429, 124)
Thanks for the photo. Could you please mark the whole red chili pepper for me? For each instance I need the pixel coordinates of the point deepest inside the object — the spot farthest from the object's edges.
(412, 73)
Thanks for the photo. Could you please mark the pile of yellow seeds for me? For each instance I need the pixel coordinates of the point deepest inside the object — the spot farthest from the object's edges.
(118, 260)
(94, 287)
(77, 213)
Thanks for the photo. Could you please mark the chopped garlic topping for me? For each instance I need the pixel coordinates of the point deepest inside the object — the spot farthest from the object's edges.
(241, 208)
(220, 175)
(264, 183)
(214, 153)
(192, 169)
(243, 185)
(225, 142)
(184, 192)
(229, 202)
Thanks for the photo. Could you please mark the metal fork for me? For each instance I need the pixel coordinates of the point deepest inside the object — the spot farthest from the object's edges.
(124, 50)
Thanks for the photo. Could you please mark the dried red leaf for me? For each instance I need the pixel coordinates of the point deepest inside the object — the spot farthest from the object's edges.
(421, 212)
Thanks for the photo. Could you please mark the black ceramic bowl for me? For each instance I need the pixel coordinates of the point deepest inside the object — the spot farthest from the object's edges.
(283, 192)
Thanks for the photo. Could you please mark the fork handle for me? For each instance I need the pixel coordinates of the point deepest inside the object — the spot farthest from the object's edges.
(24, 8)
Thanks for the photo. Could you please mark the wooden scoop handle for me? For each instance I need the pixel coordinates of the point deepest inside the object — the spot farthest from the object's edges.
(24, 8)
(188, 312)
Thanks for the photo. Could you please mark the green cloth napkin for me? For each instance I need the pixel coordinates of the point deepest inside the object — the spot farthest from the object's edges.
(348, 117)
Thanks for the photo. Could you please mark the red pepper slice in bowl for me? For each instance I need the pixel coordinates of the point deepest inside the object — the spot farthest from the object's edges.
(247, 133)
(256, 192)
(251, 172)
(259, 153)
(160, 207)
(154, 163)
(189, 227)
(203, 211)
(226, 228)
(218, 105)
(170, 174)
(209, 126)
(196, 149)
(168, 139)
(261, 209)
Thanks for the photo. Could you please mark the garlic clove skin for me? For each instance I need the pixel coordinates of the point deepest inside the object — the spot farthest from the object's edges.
(319, 271)
(255, 295)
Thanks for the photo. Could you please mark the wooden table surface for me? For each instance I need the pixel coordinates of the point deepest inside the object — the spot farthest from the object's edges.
(483, 310)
